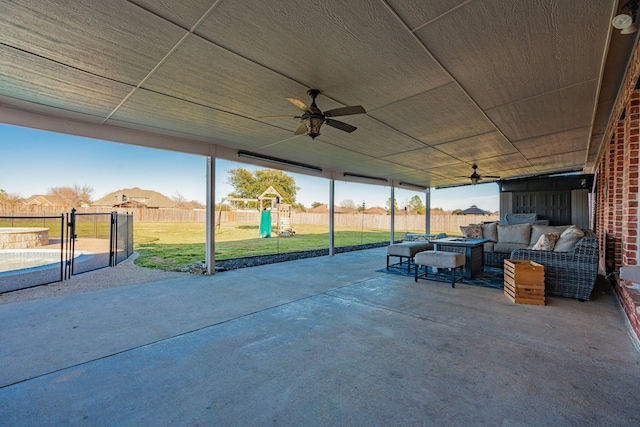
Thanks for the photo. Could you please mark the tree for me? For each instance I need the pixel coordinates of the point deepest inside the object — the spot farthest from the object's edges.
(178, 199)
(316, 204)
(11, 199)
(416, 205)
(251, 185)
(395, 205)
(347, 204)
(182, 202)
(77, 195)
(299, 207)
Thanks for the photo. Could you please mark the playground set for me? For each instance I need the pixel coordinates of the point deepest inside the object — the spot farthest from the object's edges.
(269, 203)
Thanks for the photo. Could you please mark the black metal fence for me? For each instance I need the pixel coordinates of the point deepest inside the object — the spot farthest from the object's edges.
(37, 250)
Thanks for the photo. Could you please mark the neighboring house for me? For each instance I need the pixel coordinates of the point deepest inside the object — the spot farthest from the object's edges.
(376, 211)
(474, 210)
(44, 200)
(324, 208)
(135, 198)
(192, 205)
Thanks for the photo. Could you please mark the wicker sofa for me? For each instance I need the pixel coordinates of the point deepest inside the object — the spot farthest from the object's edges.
(568, 274)
(570, 271)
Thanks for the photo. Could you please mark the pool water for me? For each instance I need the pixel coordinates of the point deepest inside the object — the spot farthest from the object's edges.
(13, 261)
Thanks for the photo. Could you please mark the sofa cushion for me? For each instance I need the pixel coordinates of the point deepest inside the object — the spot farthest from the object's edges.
(488, 246)
(539, 230)
(546, 242)
(471, 231)
(507, 248)
(520, 218)
(490, 231)
(568, 239)
(520, 233)
(408, 249)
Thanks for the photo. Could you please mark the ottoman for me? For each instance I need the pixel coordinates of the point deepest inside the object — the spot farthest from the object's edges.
(440, 259)
(407, 250)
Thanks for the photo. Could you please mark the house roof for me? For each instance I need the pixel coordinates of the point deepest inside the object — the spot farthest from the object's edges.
(376, 210)
(324, 208)
(473, 210)
(520, 90)
(45, 200)
(150, 198)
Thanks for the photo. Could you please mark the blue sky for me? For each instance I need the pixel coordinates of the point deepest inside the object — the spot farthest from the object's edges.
(33, 161)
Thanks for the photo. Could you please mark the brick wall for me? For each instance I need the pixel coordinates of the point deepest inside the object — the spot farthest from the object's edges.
(617, 193)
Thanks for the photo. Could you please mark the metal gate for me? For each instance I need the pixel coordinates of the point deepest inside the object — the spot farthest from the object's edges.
(80, 242)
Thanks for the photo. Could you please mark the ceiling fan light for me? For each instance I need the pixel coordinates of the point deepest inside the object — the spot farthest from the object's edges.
(474, 180)
(630, 29)
(622, 21)
(313, 123)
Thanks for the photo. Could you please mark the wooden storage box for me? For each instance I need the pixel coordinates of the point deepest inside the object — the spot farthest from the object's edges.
(524, 281)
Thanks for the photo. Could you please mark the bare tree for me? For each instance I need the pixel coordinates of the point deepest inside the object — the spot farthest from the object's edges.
(11, 199)
(178, 199)
(77, 195)
(182, 202)
(347, 204)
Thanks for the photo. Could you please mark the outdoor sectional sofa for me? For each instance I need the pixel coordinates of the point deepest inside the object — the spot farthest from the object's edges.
(570, 267)
(567, 274)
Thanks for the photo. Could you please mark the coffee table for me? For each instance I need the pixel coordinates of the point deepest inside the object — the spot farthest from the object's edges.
(471, 248)
(412, 237)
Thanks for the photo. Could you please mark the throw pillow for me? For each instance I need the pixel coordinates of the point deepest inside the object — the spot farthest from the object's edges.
(520, 233)
(490, 231)
(546, 242)
(539, 230)
(568, 239)
(471, 231)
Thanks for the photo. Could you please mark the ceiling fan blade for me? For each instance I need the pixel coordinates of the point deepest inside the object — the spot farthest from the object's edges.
(302, 129)
(340, 125)
(301, 105)
(345, 111)
(490, 176)
(279, 117)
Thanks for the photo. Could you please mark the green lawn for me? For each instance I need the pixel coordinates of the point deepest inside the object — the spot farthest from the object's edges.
(89, 226)
(171, 246)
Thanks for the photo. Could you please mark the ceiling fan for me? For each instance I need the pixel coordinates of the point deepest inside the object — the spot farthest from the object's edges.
(313, 117)
(475, 176)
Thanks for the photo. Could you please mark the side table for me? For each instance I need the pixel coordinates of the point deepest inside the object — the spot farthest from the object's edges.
(524, 281)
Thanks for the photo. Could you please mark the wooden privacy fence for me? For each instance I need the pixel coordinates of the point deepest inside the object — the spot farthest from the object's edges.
(139, 214)
(448, 222)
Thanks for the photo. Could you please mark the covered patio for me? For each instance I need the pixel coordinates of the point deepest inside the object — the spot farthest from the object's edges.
(524, 89)
(285, 344)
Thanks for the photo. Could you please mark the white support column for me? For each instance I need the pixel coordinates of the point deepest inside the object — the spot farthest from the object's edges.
(427, 203)
(393, 215)
(211, 216)
(331, 213)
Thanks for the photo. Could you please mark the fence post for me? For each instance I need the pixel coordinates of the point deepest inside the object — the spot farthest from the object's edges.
(62, 263)
(113, 245)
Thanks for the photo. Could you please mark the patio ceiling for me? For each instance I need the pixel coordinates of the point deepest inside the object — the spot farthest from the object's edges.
(520, 88)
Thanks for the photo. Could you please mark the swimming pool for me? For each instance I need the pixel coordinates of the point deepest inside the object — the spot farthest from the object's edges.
(20, 261)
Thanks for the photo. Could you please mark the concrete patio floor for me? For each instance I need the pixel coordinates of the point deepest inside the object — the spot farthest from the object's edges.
(320, 341)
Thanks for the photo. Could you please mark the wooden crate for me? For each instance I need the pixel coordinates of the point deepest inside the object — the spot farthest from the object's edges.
(524, 281)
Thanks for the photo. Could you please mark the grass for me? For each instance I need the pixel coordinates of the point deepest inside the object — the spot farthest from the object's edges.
(90, 227)
(172, 246)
